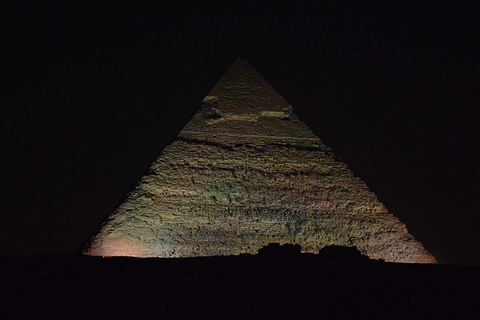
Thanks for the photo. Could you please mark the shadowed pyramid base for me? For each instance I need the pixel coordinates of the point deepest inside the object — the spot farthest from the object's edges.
(243, 173)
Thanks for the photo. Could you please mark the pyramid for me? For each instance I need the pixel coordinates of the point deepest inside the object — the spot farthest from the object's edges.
(246, 172)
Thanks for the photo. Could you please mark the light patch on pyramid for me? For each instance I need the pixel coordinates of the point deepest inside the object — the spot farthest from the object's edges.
(246, 172)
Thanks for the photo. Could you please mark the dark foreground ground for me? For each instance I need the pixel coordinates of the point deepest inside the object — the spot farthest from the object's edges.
(241, 287)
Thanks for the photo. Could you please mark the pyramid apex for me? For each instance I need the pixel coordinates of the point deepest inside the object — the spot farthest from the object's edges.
(243, 90)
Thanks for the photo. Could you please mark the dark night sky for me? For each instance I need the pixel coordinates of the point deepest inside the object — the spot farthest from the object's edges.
(91, 94)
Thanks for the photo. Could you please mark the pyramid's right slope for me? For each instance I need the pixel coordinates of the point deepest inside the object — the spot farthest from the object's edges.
(245, 172)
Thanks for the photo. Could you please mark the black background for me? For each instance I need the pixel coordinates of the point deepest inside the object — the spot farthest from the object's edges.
(91, 93)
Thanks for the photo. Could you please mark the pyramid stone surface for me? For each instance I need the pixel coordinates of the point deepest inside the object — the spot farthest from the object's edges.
(246, 172)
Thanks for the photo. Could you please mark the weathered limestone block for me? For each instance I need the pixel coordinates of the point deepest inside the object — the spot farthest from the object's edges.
(246, 172)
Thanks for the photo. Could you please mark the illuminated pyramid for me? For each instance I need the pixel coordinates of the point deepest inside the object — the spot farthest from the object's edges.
(246, 172)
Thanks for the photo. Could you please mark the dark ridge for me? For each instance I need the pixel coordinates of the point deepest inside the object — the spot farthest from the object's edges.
(298, 147)
(207, 143)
